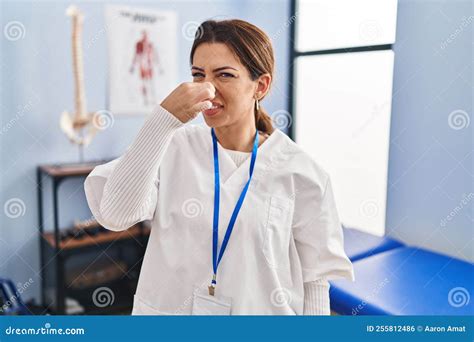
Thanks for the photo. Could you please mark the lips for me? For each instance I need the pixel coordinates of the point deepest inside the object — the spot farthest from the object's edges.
(216, 107)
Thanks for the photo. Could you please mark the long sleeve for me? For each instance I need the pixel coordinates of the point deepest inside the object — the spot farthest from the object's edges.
(124, 192)
(316, 298)
(318, 233)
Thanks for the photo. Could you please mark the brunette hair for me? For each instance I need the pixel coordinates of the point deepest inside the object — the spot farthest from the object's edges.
(250, 45)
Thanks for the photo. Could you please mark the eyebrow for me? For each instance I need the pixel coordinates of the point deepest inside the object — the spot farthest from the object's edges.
(215, 70)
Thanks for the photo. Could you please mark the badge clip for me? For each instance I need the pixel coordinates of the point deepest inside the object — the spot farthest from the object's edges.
(212, 287)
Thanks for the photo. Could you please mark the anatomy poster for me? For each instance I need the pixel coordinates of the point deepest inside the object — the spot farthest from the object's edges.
(142, 54)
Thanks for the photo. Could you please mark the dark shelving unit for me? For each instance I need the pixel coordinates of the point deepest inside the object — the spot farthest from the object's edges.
(60, 249)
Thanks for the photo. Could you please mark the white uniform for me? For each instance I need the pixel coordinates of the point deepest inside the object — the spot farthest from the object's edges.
(287, 232)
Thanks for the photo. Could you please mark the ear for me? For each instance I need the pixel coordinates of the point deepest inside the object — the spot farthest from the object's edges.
(263, 85)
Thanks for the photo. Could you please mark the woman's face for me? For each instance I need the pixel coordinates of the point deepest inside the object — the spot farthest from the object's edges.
(235, 91)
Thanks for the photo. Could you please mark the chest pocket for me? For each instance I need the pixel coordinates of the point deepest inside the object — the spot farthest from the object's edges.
(277, 232)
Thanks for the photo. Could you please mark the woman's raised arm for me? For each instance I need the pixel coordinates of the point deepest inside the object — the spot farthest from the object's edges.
(124, 191)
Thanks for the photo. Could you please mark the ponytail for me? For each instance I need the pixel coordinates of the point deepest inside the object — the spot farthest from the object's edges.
(263, 121)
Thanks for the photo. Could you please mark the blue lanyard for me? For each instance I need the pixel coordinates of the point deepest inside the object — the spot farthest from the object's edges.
(215, 231)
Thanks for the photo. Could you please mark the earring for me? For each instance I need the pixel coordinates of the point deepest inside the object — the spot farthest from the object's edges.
(257, 105)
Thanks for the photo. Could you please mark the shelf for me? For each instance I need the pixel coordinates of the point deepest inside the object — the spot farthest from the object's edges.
(84, 239)
(121, 302)
(71, 170)
(101, 238)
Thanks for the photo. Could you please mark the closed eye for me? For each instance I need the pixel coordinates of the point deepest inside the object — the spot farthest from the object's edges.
(226, 75)
(222, 74)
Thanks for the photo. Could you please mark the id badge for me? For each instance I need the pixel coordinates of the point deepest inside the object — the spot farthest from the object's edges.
(205, 304)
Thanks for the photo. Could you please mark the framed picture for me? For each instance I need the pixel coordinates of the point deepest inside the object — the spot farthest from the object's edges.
(142, 50)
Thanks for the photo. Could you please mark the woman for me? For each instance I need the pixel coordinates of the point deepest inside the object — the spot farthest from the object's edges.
(234, 185)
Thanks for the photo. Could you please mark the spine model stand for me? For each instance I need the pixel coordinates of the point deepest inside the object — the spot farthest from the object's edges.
(81, 126)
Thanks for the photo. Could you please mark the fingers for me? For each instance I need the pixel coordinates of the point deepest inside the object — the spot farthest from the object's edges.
(206, 91)
(199, 107)
(188, 99)
(211, 87)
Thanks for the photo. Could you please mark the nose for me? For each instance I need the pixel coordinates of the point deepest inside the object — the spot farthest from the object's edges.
(211, 80)
(217, 93)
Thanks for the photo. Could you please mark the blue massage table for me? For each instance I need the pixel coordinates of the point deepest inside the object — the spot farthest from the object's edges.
(359, 245)
(406, 281)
